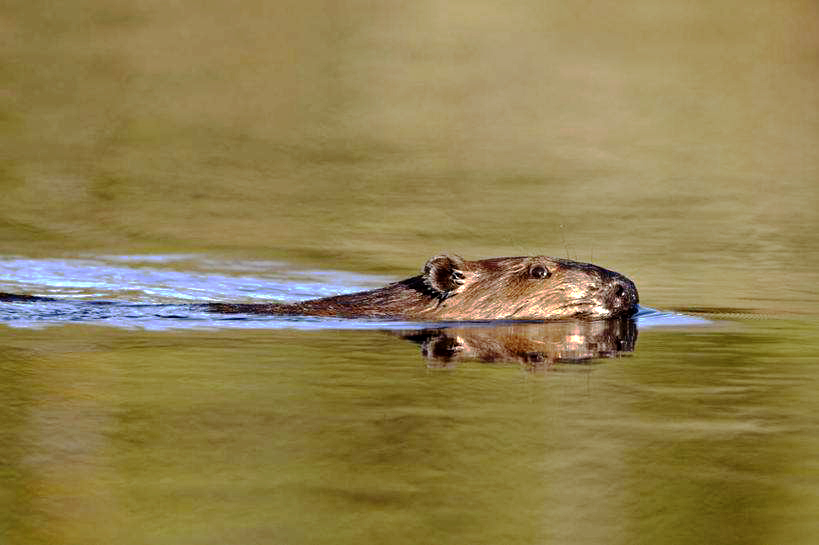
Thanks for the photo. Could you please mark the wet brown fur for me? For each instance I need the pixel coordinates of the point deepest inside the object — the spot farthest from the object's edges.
(452, 289)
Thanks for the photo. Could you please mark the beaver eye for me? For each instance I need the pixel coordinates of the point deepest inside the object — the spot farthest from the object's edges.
(539, 271)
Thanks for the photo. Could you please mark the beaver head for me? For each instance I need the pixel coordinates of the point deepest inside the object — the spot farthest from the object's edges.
(525, 288)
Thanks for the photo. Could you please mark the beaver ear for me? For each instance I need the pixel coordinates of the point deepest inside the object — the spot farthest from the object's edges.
(444, 274)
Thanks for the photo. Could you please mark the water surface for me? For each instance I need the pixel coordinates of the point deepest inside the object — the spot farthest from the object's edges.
(282, 435)
(144, 420)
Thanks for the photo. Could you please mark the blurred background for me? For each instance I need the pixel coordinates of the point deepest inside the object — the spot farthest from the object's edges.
(673, 142)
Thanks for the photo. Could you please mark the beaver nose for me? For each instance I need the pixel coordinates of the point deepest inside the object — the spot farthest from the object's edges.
(622, 294)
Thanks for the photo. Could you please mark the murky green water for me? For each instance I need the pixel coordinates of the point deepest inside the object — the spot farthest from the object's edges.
(674, 143)
(347, 437)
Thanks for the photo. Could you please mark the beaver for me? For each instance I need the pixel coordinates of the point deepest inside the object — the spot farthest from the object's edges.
(453, 289)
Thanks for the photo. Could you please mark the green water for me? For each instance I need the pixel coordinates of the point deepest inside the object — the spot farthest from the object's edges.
(296, 437)
(675, 143)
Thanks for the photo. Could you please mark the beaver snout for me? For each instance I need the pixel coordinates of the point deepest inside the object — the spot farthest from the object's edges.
(622, 295)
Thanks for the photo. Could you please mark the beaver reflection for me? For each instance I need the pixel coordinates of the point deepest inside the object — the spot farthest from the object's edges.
(533, 344)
